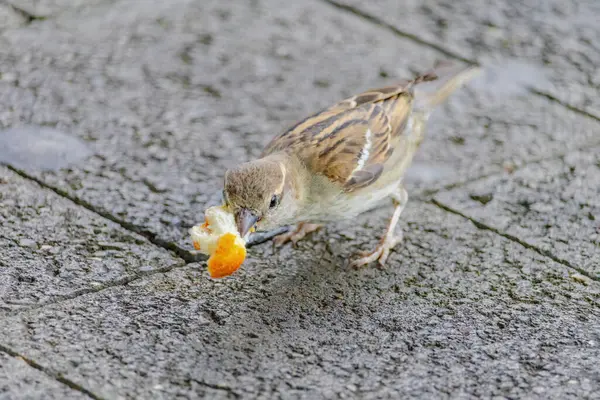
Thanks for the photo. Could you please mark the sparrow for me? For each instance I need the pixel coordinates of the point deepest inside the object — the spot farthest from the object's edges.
(341, 162)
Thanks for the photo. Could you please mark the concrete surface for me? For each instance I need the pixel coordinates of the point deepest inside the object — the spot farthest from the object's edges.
(553, 205)
(460, 311)
(10, 18)
(229, 78)
(53, 249)
(17, 378)
(559, 38)
(495, 292)
(41, 9)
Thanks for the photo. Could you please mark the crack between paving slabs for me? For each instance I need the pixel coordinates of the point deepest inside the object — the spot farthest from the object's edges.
(56, 376)
(187, 255)
(260, 237)
(29, 17)
(562, 103)
(217, 387)
(426, 194)
(150, 236)
(416, 39)
(190, 257)
(374, 20)
(545, 253)
(115, 283)
(74, 386)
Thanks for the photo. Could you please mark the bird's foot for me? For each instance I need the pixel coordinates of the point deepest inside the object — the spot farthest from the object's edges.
(301, 230)
(380, 253)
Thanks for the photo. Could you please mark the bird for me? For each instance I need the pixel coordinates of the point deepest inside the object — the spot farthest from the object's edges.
(341, 162)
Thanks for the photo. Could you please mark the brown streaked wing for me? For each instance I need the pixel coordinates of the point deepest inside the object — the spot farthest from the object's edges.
(335, 142)
(303, 132)
(372, 96)
(298, 133)
(384, 121)
(352, 149)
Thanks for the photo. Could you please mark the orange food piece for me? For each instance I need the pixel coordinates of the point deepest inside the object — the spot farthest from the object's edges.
(227, 258)
(196, 245)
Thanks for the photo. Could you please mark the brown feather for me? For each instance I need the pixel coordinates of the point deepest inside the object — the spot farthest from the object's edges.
(350, 141)
(335, 142)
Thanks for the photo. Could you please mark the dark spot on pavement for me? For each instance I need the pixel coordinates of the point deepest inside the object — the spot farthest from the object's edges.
(482, 198)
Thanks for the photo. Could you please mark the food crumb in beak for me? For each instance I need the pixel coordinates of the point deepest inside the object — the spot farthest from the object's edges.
(228, 257)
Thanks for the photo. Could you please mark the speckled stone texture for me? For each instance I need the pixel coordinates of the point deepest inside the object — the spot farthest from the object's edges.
(231, 75)
(19, 380)
(52, 248)
(553, 205)
(460, 311)
(558, 40)
(495, 292)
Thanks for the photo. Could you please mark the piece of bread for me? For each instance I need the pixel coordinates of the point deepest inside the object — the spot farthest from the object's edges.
(219, 238)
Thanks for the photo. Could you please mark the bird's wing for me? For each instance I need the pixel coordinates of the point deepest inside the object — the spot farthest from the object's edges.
(349, 142)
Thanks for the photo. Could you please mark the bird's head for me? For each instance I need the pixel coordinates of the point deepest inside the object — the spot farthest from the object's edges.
(259, 195)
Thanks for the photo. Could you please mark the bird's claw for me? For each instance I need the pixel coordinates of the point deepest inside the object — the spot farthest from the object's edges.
(295, 235)
(282, 239)
(380, 253)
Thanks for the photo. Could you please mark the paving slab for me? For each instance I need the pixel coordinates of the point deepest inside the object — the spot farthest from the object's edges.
(557, 41)
(168, 96)
(460, 312)
(42, 9)
(20, 381)
(552, 205)
(10, 18)
(53, 249)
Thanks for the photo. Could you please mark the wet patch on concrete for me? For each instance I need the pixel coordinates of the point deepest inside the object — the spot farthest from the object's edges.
(41, 148)
(557, 36)
(511, 77)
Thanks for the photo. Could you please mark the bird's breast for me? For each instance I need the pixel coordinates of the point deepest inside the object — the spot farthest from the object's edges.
(345, 205)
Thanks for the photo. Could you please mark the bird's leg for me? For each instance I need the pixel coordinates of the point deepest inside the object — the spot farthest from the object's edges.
(294, 235)
(390, 239)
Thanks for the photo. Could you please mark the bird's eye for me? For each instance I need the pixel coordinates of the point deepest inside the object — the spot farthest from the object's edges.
(274, 201)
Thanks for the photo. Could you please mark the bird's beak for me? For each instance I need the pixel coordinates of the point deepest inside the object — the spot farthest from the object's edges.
(245, 220)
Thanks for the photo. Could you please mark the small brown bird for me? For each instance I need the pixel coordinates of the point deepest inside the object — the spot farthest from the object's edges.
(341, 161)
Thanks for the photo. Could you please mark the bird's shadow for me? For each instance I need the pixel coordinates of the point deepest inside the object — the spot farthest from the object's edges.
(317, 284)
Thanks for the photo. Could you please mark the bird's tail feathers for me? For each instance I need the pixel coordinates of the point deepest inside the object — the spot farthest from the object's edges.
(434, 87)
